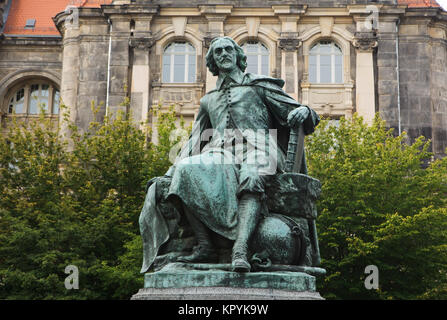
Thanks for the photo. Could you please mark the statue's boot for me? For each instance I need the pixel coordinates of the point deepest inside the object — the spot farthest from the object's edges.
(204, 251)
(249, 212)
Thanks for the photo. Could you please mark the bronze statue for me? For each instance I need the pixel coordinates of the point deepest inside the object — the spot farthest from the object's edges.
(238, 178)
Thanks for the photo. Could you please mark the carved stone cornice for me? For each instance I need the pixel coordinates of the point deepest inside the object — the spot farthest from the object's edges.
(365, 41)
(141, 43)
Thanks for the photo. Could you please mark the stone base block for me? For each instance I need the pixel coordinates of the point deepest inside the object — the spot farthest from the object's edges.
(174, 282)
(223, 293)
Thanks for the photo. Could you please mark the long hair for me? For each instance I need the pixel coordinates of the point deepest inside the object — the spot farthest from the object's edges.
(241, 58)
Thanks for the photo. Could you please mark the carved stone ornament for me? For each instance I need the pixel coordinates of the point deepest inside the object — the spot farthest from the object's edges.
(365, 42)
(207, 40)
(289, 44)
(141, 43)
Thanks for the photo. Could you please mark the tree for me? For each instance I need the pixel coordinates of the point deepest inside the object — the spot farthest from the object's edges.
(79, 208)
(378, 199)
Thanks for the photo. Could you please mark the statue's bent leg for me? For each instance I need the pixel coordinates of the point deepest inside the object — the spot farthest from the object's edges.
(204, 251)
(249, 213)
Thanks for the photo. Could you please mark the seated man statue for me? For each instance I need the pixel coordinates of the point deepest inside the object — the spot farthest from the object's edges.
(238, 143)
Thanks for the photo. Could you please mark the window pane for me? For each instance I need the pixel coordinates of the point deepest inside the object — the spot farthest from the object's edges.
(56, 101)
(325, 69)
(20, 96)
(252, 64)
(17, 102)
(33, 101)
(312, 69)
(179, 68)
(11, 106)
(325, 48)
(314, 49)
(192, 68)
(175, 58)
(251, 47)
(167, 68)
(264, 49)
(179, 47)
(337, 48)
(43, 99)
(169, 48)
(338, 69)
(190, 48)
(265, 65)
(256, 51)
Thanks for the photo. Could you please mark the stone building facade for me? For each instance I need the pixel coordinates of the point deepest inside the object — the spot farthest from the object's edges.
(338, 57)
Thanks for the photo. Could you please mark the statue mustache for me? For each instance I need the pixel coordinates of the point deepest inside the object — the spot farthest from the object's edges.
(225, 59)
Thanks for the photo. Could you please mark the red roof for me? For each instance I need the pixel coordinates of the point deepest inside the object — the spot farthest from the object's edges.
(419, 3)
(43, 11)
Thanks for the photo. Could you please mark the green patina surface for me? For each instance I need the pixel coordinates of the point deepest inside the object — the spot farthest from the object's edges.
(176, 278)
(220, 192)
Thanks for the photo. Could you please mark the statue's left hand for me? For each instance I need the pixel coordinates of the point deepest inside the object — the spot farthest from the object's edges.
(297, 116)
(154, 180)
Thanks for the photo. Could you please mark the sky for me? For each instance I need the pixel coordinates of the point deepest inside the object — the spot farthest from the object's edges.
(443, 3)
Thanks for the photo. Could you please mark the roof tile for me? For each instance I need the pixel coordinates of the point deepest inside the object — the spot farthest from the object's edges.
(43, 11)
(419, 3)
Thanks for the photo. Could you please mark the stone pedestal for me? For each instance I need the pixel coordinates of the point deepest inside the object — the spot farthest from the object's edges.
(180, 284)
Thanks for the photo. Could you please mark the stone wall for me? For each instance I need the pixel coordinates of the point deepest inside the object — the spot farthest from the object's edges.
(423, 77)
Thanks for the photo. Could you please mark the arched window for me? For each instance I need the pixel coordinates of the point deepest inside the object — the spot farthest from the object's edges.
(179, 63)
(326, 63)
(31, 97)
(257, 57)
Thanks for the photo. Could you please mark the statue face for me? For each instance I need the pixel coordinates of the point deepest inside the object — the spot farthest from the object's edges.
(225, 55)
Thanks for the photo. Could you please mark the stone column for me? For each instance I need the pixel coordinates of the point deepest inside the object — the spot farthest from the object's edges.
(365, 93)
(70, 73)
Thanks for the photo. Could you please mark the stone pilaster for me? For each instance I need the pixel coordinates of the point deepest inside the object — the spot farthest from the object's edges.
(140, 78)
(288, 43)
(118, 65)
(388, 78)
(70, 71)
(365, 93)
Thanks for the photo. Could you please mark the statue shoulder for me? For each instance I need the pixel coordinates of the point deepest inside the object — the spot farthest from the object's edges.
(264, 81)
(204, 100)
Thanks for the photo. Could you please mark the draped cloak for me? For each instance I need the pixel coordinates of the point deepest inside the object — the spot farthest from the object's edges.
(211, 191)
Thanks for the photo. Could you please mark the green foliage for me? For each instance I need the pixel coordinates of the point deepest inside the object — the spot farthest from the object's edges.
(379, 206)
(77, 207)
(383, 204)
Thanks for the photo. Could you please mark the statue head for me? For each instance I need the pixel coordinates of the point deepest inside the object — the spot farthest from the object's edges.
(224, 55)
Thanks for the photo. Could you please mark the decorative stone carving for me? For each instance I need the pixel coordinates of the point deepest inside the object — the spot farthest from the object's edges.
(207, 40)
(365, 41)
(289, 44)
(141, 43)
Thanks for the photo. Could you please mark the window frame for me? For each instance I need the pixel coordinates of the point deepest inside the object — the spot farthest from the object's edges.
(259, 55)
(26, 86)
(332, 54)
(172, 55)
